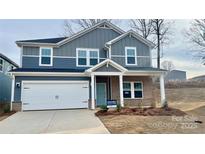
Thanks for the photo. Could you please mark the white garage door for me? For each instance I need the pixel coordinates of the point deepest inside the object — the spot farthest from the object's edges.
(42, 95)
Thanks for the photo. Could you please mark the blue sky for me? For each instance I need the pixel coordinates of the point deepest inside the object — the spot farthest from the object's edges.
(11, 30)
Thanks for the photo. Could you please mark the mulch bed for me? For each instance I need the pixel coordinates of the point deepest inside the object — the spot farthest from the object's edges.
(6, 115)
(143, 112)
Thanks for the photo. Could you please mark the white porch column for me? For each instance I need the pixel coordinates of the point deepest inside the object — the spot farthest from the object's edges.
(162, 91)
(92, 92)
(121, 90)
(12, 91)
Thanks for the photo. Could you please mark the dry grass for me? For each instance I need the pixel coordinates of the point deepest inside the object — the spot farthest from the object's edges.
(189, 100)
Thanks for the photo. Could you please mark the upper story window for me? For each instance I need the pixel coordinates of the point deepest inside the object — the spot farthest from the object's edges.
(131, 55)
(133, 89)
(46, 56)
(87, 57)
(1, 65)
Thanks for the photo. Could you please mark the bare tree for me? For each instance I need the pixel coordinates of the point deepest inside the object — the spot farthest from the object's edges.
(196, 36)
(157, 30)
(75, 25)
(161, 30)
(142, 26)
(167, 65)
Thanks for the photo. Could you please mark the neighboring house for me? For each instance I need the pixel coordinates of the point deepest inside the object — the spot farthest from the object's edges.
(198, 78)
(175, 75)
(6, 65)
(85, 70)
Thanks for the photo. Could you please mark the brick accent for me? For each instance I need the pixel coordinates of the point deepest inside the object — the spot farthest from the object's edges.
(148, 99)
(16, 106)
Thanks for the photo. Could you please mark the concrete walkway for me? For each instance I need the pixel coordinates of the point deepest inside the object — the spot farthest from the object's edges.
(80, 121)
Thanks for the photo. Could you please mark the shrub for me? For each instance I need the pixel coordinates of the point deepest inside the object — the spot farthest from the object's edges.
(104, 108)
(119, 107)
(6, 108)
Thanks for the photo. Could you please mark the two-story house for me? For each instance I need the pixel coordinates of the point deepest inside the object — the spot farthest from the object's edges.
(6, 64)
(85, 70)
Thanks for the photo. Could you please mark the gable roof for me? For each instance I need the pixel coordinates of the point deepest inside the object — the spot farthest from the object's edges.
(62, 40)
(8, 60)
(134, 34)
(87, 30)
(107, 61)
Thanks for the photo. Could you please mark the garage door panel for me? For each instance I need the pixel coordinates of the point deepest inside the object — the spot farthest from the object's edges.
(40, 96)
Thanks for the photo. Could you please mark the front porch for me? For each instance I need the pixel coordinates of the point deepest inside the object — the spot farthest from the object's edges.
(108, 88)
(111, 81)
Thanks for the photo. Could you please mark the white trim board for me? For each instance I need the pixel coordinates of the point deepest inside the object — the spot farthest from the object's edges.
(135, 56)
(87, 50)
(51, 56)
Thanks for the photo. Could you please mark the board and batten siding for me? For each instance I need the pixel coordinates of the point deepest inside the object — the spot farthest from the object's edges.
(65, 55)
(143, 51)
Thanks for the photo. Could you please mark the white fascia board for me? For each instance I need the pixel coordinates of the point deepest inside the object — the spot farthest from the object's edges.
(47, 74)
(134, 34)
(144, 73)
(109, 61)
(35, 44)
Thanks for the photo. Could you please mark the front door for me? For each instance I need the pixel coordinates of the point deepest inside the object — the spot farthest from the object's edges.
(101, 94)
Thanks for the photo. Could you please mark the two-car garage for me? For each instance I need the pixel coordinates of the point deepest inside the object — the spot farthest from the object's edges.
(43, 95)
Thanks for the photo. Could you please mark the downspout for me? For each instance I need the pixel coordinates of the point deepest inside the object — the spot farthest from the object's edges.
(109, 50)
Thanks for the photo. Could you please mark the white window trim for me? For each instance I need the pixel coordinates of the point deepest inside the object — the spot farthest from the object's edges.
(40, 56)
(2, 65)
(126, 62)
(87, 56)
(133, 89)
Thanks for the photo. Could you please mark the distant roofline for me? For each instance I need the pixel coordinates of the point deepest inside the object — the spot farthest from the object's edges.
(8, 60)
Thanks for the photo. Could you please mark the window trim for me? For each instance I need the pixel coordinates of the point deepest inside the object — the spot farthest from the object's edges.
(133, 89)
(87, 56)
(2, 65)
(40, 56)
(126, 62)
(130, 89)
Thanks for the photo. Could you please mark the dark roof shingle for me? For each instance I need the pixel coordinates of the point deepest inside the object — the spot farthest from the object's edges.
(48, 40)
(47, 70)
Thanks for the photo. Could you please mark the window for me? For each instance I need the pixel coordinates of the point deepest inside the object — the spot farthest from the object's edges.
(82, 57)
(138, 89)
(93, 57)
(130, 56)
(87, 57)
(46, 56)
(127, 90)
(1, 65)
(133, 89)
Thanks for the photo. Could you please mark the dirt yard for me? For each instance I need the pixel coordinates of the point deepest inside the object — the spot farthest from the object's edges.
(189, 100)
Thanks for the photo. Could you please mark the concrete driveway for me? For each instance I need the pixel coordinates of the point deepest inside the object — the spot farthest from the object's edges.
(57, 121)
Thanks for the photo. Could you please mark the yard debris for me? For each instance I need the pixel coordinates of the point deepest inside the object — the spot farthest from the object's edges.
(144, 112)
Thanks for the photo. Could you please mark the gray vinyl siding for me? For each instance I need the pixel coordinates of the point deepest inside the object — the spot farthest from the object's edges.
(61, 63)
(107, 69)
(5, 82)
(19, 79)
(34, 51)
(94, 39)
(143, 52)
(5, 88)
